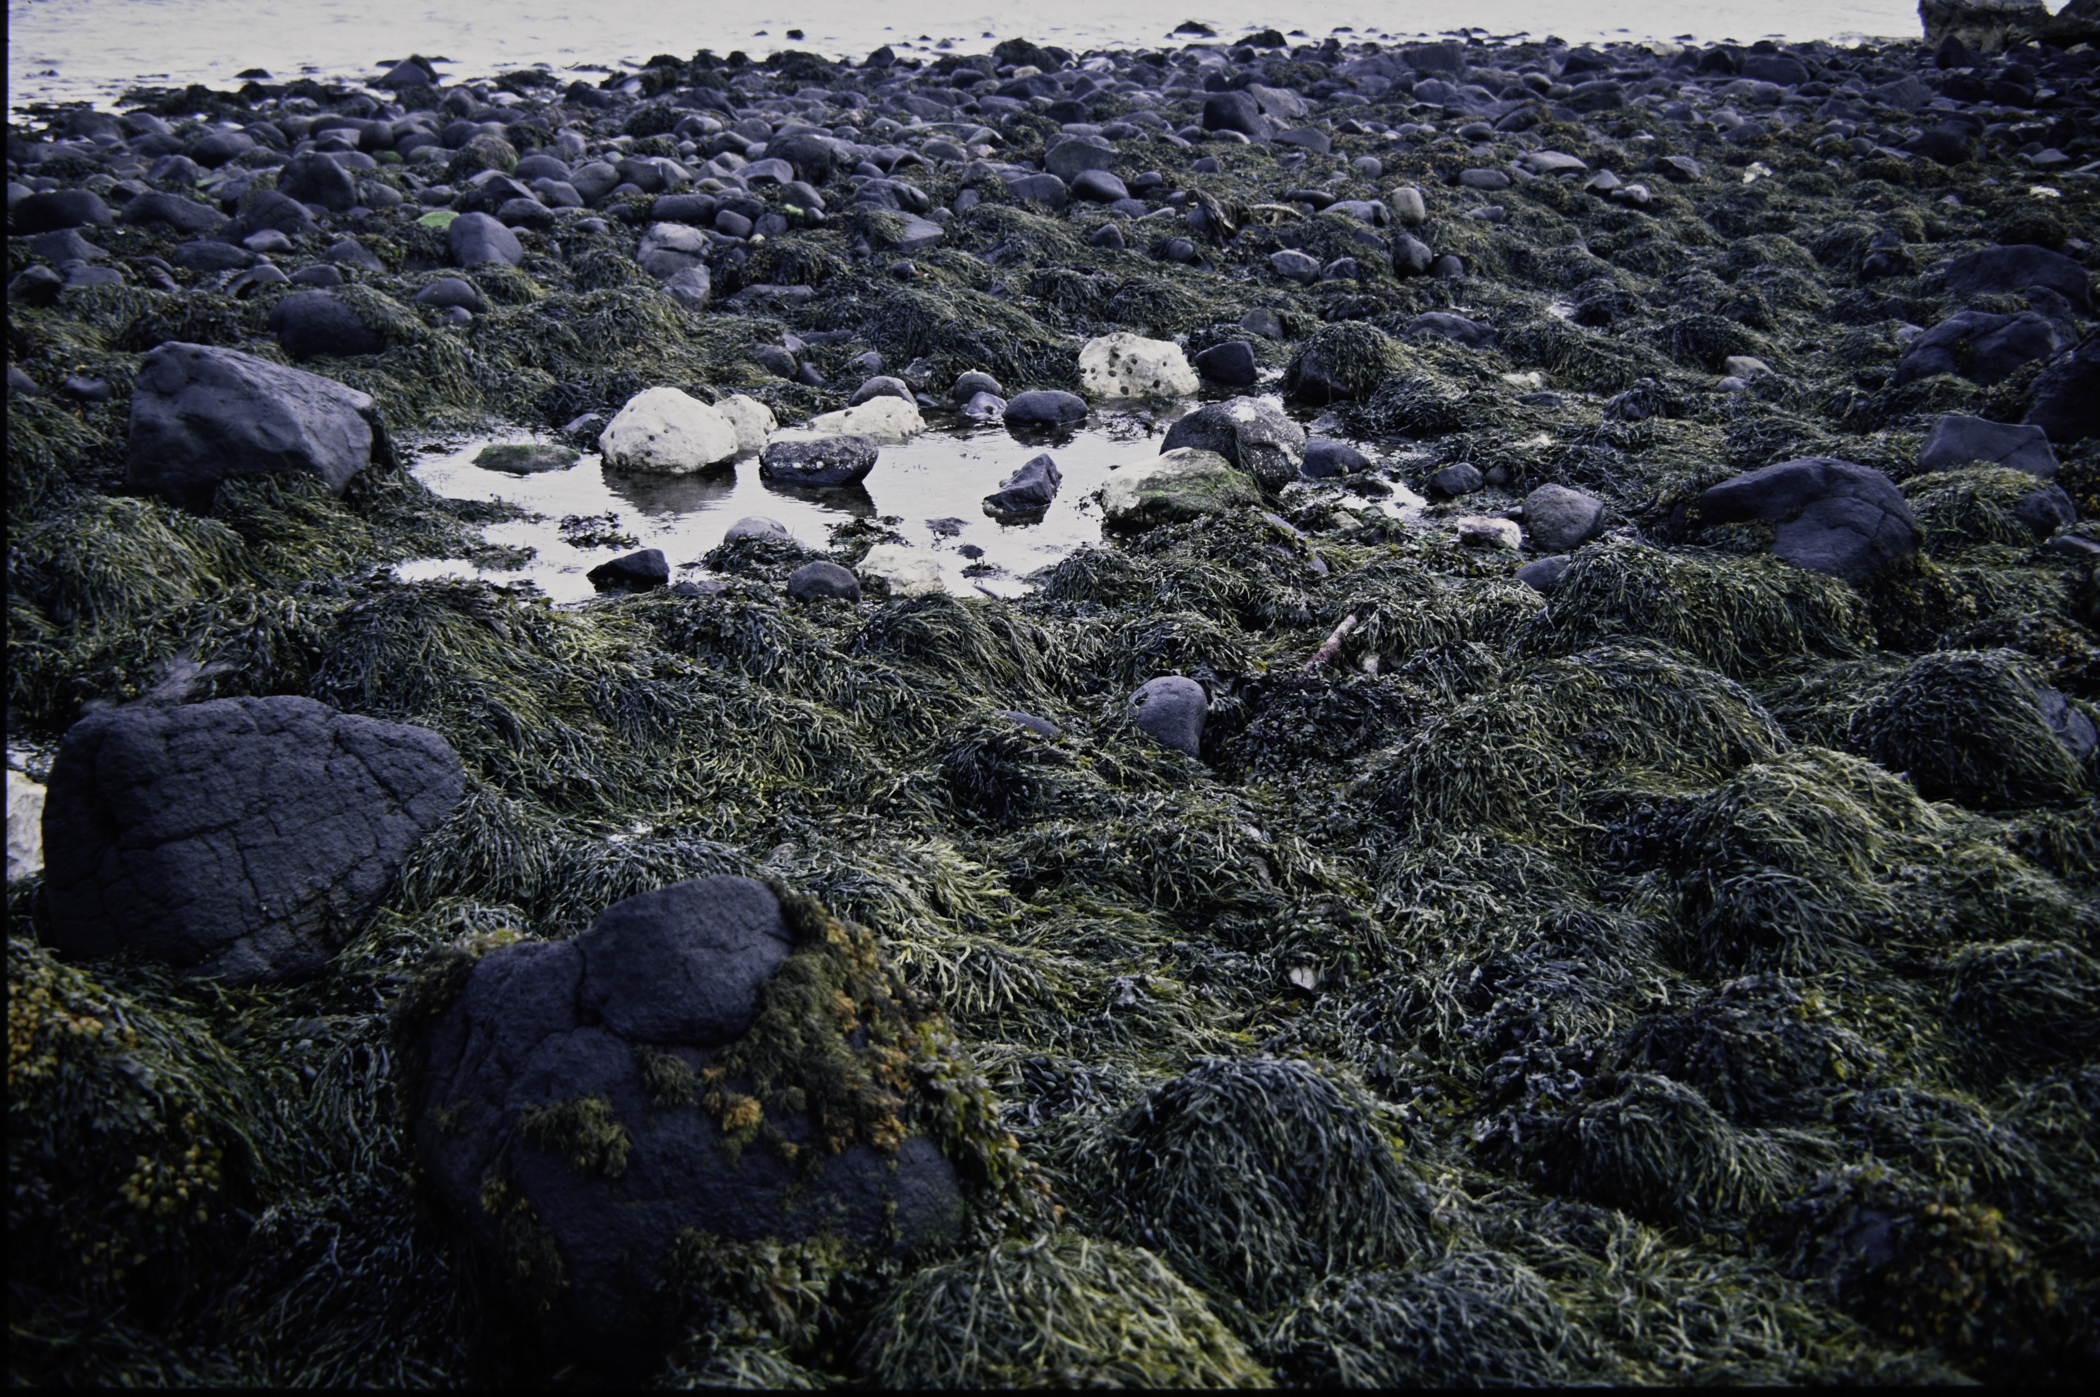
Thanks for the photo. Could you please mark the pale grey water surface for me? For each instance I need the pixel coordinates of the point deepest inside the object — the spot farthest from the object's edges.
(81, 49)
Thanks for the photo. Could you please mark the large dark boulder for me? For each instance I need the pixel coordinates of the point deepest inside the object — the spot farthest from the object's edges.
(1834, 516)
(200, 413)
(310, 323)
(1980, 346)
(1027, 493)
(56, 208)
(2067, 395)
(824, 463)
(813, 157)
(1235, 111)
(1998, 271)
(1559, 519)
(276, 212)
(475, 238)
(587, 1113)
(241, 839)
(1960, 440)
(183, 215)
(314, 178)
(1252, 434)
(1171, 709)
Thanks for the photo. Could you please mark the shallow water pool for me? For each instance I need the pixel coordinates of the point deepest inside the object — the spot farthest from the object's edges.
(930, 490)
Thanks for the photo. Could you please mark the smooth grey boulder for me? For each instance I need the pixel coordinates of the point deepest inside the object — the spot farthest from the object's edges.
(821, 463)
(1834, 516)
(451, 291)
(822, 581)
(315, 179)
(313, 323)
(1235, 111)
(1071, 156)
(2046, 510)
(1559, 519)
(54, 209)
(1326, 458)
(183, 215)
(1045, 407)
(1027, 492)
(1251, 434)
(1543, 574)
(1231, 364)
(640, 571)
(200, 413)
(241, 839)
(1458, 478)
(475, 238)
(563, 1113)
(1171, 709)
(1960, 440)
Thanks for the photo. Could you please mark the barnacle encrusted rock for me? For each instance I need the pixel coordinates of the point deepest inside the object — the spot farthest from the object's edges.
(701, 1063)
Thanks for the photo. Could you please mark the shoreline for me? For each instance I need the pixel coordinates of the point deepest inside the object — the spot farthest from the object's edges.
(1631, 915)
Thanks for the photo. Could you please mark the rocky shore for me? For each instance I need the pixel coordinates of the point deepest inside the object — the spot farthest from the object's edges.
(1553, 839)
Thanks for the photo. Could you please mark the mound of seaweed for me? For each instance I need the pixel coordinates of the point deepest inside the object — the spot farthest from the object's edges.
(1670, 965)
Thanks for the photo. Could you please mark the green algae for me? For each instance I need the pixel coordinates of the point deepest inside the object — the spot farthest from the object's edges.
(1673, 987)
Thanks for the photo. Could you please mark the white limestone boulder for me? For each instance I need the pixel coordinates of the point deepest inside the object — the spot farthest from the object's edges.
(900, 571)
(1131, 366)
(887, 420)
(753, 420)
(25, 826)
(666, 432)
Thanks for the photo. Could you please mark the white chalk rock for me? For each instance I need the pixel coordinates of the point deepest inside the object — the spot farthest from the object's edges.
(904, 572)
(667, 432)
(25, 826)
(753, 420)
(1131, 366)
(886, 419)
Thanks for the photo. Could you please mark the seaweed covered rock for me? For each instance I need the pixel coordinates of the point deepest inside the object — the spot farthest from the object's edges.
(1255, 1177)
(1174, 487)
(200, 414)
(1249, 433)
(1970, 726)
(1067, 1309)
(667, 432)
(1344, 361)
(239, 838)
(1834, 516)
(1475, 1319)
(705, 1067)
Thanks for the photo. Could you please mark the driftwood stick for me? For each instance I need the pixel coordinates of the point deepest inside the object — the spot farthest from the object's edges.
(1332, 646)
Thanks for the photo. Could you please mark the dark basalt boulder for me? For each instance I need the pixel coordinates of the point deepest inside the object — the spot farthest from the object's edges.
(1171, 709)
(1834, 516)
(200, 413)
(1961, 440)
(569, 1123)
(314, 178)
(55, 209)
(1981, 346)
(640, 571)
(312, 323)
(824, 463)
(1027, 492)
(1248, 432)
(822, 581)
(183, 215)
(240, 839)
(1998, 271)
(2067, 395)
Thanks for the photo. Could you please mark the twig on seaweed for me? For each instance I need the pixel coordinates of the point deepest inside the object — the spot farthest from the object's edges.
(1332, 646)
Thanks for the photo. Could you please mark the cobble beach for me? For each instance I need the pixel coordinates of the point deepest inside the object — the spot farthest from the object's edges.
(1244, 707)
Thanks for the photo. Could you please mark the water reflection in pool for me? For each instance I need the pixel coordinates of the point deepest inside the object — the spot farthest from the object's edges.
(933, 487)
